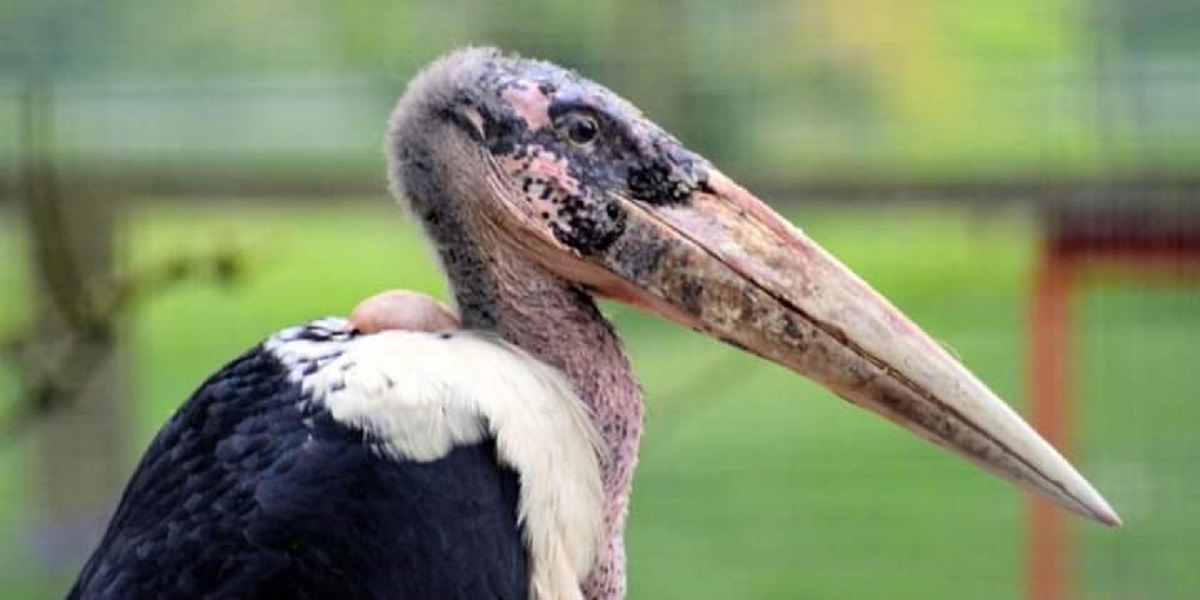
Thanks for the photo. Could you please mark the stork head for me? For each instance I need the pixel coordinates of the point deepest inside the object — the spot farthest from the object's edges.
(581, 182)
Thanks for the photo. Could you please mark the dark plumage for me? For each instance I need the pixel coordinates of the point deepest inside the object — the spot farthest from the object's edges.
(250, 492)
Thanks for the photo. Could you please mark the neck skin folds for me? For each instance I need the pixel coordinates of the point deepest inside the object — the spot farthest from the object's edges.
(561, 325)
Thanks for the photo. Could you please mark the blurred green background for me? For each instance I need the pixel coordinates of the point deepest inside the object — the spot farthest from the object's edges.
(922, 142)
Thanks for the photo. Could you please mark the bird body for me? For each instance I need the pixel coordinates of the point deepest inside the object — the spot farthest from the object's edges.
(296, 467)
(497, 461)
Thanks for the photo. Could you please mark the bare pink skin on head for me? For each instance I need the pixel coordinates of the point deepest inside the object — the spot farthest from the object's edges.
(402, 310)
(530, 103)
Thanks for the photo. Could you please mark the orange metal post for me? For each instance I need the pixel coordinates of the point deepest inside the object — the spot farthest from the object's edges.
(1049, 574)
(1132, 242)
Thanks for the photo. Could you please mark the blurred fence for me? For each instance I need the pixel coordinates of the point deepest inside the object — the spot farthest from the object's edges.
(317, 136)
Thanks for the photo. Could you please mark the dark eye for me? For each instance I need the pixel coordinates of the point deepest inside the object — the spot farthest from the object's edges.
(581, 129)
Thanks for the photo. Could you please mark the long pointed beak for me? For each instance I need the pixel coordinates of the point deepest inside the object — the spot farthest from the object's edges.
(724, 263)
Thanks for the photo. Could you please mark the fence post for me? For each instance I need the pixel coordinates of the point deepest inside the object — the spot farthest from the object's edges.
(1049, 576)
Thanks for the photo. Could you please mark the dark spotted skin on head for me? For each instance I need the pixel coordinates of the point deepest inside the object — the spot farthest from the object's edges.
(512, 112)
(571, 187)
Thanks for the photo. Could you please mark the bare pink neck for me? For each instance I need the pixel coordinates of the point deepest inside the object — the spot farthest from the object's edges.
(562, 326)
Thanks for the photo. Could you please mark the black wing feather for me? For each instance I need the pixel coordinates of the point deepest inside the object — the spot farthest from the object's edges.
(250, 492)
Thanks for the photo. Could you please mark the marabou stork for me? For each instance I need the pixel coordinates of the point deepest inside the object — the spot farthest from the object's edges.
(389, 456)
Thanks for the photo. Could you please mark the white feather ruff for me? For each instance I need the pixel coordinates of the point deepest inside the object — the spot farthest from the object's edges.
(422, 394)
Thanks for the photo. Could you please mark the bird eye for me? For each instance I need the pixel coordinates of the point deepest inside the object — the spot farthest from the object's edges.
(581, 129)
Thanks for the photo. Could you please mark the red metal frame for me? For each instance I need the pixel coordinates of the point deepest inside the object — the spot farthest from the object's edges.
(1079, 248)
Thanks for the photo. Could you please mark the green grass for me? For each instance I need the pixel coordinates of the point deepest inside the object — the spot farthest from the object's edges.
(753, 483)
